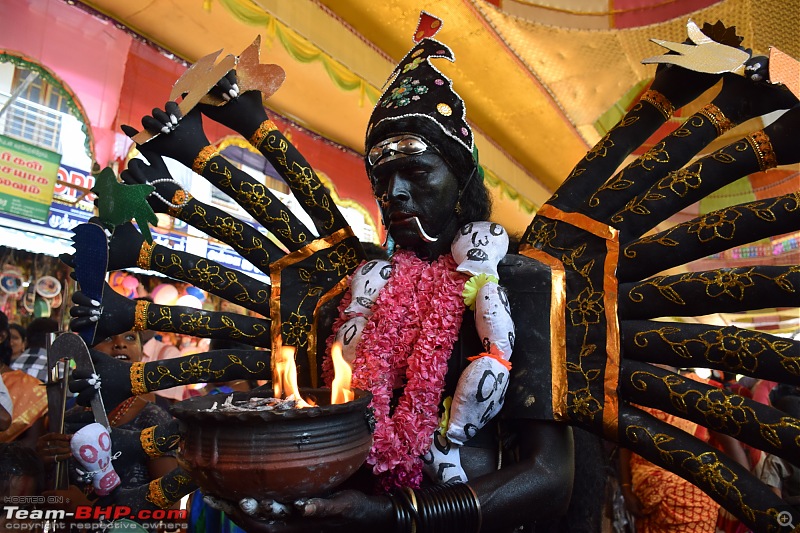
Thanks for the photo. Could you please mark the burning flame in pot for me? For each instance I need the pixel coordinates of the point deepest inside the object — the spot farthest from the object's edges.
(284, 377)
(343, 375)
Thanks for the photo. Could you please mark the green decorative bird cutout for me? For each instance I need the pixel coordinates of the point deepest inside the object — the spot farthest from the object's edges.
(118, 203)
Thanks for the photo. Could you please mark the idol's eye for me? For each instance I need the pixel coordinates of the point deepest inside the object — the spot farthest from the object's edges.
(375, 153)
(411, 146)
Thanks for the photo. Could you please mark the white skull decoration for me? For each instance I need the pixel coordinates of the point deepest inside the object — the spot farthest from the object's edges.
(479, 246)
(367, 282)
(365, 286)
(91, 446)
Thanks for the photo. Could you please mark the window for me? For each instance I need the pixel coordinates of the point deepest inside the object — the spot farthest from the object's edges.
(35, 115)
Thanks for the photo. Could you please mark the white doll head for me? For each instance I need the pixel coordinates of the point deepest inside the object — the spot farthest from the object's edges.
(91, 446)
(479, 247)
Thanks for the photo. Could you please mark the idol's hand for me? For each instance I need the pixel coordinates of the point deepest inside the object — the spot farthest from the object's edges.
(112, 316)
(266, 516)
(124, 247)
(178, 137)
(243, 114)
(111, 378)
(155, 173)
(226, 88)
(348, 510)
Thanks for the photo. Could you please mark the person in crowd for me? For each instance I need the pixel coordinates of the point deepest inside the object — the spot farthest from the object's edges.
(21, 475)
(26, 394)
(6, 406)
(21, 472)
(18, 337)
(34, 359)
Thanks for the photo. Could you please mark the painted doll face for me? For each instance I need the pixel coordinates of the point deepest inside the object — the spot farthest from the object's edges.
(91, 446)
(479, 247)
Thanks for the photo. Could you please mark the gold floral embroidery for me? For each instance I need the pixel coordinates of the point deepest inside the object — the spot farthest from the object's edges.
(200, 369)
(656, 154)
(732, 282)
(721, 225)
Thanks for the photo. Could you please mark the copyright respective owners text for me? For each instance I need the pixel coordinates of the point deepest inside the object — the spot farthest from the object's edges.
(51, 513)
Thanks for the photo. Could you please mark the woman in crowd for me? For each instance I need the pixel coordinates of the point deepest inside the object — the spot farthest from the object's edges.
(18, 338)
(27, 395)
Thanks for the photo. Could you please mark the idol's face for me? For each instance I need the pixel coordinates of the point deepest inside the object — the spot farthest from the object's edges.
(417, 195)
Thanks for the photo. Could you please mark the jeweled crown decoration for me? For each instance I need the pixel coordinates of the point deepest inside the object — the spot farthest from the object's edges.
(418, 89)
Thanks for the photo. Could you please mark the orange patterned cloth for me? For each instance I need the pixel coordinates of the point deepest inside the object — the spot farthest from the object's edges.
(670, 503)
(30, 402)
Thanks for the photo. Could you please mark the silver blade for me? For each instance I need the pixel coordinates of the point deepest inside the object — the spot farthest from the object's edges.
(70, 345)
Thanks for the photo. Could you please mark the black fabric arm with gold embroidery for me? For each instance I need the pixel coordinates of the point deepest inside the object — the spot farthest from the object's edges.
(725, 290)
(121, 380)
(681, 188)
(709, 234)
(207, 367)
(253, 196)
(170, 198)
(246, 240)
(602, 289)
(200, 323)
(732, 106)
(127, 248)
(725, 348)
(719, 476)
(189, 145)
(246, 115)
(671, 89)
(719, 410)
(158, 440)
(117, 314)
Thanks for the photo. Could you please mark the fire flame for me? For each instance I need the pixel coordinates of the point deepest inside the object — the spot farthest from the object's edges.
(284, 377)
(343, 375)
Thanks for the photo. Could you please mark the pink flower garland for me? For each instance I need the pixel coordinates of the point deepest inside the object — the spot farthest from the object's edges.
(415, 324)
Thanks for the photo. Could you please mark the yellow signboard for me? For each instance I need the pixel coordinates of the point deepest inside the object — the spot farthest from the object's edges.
(27, 178)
